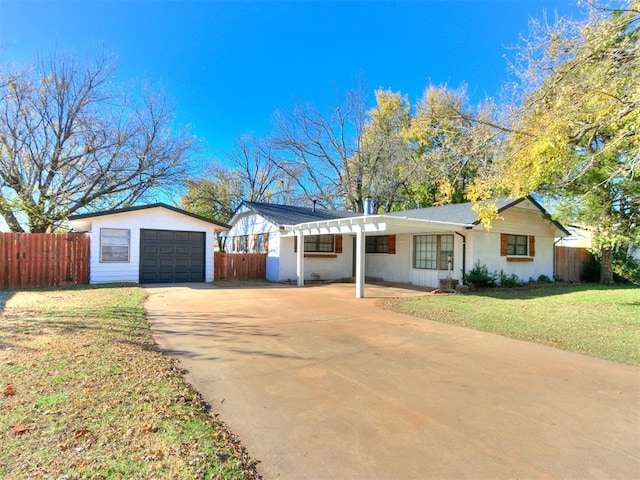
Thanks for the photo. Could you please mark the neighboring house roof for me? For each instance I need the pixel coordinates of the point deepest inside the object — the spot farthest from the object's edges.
(463, 213)
(145, 207)
(281, 215)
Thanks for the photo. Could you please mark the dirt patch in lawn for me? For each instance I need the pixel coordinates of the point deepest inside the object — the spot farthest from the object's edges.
(84, 393)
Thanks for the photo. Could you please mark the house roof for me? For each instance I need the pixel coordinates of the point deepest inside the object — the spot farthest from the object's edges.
(292, 215)
(463, 213)
(459, 213)
(145, 207)
(456, 216)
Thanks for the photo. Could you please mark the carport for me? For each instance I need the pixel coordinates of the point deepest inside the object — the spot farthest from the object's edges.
(360, 227)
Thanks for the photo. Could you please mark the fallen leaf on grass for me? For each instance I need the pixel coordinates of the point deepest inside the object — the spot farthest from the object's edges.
(23, 428)
(9, 390)
(80, 432)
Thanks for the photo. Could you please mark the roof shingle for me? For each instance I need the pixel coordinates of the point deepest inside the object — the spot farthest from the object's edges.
(293, 215)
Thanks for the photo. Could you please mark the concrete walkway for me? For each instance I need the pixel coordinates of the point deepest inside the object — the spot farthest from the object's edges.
(320, 385)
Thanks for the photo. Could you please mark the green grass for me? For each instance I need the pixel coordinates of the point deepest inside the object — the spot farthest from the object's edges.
(590, 319)
(104, 401)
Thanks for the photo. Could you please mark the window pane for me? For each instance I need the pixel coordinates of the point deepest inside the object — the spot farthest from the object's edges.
(517, 244)
(260, 244)
(377, 244)
(446, 251)
(425, 251)
(114, 245)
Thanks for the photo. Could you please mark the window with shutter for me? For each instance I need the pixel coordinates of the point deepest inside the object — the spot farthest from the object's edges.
(377, 244)
(518, 248)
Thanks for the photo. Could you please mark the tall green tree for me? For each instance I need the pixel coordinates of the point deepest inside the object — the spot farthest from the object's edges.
(575, 136)
(216, 195)
(71, 141)
(453, 142)
(385, 160)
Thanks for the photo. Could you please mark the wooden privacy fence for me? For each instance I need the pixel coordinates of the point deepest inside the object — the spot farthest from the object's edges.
(33, 260)
(239, 266)
(569, 262)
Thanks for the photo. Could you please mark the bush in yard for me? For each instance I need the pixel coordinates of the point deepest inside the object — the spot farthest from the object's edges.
(480, 277)
(509, 281)
(544, 279)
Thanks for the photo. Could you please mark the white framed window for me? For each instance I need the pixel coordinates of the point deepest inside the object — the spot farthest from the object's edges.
(114, 245)
(432, 252)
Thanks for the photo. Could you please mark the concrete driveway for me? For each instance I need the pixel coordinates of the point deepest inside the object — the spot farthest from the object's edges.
(320, 385)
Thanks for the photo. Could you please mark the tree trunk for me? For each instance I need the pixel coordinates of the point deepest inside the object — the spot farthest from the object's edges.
(606, 267)
(9, 217)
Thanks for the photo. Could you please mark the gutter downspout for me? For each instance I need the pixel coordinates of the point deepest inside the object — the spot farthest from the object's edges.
(464, 257)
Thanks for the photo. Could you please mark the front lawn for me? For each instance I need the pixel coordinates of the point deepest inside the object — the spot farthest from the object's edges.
(590, 319)
(84, 393)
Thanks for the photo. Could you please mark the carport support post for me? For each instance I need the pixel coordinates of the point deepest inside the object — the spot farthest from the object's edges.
(359, 263)
(300, 260)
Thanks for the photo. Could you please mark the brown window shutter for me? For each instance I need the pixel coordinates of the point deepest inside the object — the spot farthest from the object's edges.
(295, 244)
(254, 247)
(503, 244)
(532, 246)
(338, 243)
(266, 243)
(392, 244)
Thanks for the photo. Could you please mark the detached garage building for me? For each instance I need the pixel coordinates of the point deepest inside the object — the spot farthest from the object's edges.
(149, 244)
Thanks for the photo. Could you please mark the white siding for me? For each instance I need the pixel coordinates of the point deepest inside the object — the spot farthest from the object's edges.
(391, 268)
(329, 268)
(484, 246)
(153, 218)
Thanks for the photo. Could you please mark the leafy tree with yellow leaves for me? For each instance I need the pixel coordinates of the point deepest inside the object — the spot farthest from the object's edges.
(575, 136)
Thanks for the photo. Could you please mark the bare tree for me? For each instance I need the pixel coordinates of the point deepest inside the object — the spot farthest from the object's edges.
(257, 167)
(70, 141)
(315, 150)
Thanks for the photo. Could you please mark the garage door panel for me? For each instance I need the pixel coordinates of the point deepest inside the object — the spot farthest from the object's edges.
(166, 236)
(149, 250)
(183, 237)
(172, 256)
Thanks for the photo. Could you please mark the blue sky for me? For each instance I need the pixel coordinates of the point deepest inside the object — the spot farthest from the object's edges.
(228, 65)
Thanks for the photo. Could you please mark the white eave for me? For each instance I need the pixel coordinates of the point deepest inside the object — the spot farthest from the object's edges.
(372, 224)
